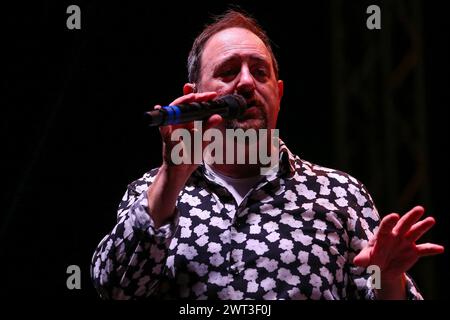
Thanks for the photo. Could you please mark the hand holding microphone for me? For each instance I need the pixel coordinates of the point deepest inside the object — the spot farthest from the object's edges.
(171, 177)
(228, 107)
(160, 117)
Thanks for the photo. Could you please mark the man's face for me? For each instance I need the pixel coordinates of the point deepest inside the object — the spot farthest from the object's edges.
(236, 61)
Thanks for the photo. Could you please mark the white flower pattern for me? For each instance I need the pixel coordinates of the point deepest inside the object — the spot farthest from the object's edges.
(293, 238)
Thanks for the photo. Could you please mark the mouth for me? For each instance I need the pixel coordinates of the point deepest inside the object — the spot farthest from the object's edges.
(254, 117)
(253, 111)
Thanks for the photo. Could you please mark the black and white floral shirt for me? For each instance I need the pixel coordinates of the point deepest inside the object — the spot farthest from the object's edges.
(292, 237)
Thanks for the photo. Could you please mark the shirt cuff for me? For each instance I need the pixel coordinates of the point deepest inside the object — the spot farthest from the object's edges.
(143, 220)
(412, 293)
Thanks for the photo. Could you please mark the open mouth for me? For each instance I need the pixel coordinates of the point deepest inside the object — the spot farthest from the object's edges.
(251, 112)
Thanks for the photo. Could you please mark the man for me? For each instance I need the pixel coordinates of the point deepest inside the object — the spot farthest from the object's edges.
(224, 231)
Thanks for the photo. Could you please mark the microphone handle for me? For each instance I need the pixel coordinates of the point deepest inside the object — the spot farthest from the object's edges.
(183, 113)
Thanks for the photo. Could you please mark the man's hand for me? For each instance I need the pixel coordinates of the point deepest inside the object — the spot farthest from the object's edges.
(171, 177)
(394, 250)
(166, 132)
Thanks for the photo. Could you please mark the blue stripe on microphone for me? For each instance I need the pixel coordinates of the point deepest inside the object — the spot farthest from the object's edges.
(177, 113)
(170, 114)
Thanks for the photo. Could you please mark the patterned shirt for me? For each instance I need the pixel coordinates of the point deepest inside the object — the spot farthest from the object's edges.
(293, 236)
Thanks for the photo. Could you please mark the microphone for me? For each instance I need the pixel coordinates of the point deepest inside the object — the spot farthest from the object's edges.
(230, 106)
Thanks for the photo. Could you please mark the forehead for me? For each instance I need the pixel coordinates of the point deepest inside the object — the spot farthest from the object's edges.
(232, 42)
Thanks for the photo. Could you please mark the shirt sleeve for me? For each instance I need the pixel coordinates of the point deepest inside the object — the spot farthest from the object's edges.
(129, 261)
(363, 223)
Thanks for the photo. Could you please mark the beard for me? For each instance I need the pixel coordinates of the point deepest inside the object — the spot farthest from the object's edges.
(254, 120)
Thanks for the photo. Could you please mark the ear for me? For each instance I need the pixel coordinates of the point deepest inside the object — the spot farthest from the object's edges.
(280, 89)
(189, 88)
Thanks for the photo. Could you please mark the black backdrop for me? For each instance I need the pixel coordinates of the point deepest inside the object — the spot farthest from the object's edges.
(73, 134)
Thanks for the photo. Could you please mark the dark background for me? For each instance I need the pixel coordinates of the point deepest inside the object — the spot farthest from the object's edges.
(371, 103)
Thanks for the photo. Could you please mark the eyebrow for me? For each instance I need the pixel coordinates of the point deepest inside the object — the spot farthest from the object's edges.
(236, 57)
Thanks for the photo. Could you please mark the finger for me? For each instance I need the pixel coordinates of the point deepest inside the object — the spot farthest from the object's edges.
(363, 258)
(165, 132)
(157, 107)
(387, 224)
(199, 97)
(418, 229)
(429, 249)
(170, 128)
(384, 239)
(406, 222)
(205, 96)
(384, 235)
(213, 121)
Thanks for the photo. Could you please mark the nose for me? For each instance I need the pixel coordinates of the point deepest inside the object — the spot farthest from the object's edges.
(246, 83)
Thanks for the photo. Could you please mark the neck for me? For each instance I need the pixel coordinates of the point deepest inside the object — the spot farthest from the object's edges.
(238, 170)
(246, 169)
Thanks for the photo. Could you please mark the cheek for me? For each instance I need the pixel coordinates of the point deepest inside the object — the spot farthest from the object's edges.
(271, 96)
(224, 89)
(272, 104)
(212, 85)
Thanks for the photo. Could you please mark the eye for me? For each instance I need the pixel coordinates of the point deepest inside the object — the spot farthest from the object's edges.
(260, 73)
(228, 74)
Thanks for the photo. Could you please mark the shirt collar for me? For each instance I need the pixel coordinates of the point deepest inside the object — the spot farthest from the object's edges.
(287, 162)
(287, 158)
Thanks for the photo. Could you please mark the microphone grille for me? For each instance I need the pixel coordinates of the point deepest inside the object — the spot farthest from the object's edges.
(236, 105)
(235, 101)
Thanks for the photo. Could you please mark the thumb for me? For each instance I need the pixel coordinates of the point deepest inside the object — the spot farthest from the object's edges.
(363, 258)
(214, 121)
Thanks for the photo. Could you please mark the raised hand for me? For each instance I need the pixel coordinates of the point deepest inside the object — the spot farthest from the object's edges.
(394, 250)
